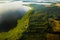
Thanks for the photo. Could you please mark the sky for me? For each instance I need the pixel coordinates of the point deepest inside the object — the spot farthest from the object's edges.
(34, 0)
(42, 0)
(9, 0)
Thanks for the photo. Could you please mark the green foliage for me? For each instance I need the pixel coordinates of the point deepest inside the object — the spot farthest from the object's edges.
(36, 18)
(38, 23)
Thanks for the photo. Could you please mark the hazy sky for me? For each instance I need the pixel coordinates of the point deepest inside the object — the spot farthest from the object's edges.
(33, 0)
(9, 0)
(42, 0)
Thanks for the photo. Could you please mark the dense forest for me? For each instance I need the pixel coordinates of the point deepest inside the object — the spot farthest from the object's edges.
(42, 21)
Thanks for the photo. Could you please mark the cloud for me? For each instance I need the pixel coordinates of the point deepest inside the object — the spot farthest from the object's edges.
(30, 0)
(9, 0)
(42, 0)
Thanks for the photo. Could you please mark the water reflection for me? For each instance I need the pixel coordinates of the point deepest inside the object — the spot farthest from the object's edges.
(9, 18)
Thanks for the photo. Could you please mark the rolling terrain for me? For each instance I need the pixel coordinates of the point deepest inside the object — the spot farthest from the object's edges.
(34, 25)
